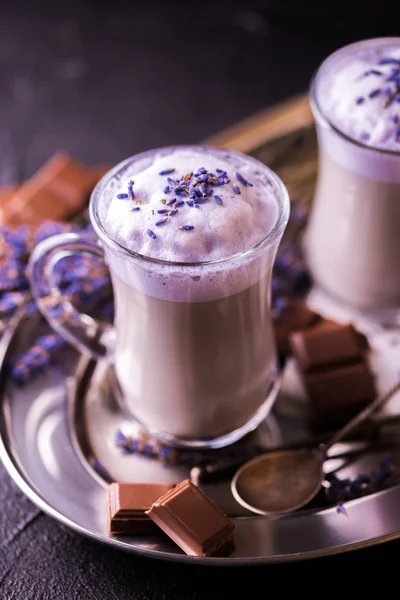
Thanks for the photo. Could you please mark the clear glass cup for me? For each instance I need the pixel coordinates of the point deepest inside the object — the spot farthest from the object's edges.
(200, 371)
(352, 242)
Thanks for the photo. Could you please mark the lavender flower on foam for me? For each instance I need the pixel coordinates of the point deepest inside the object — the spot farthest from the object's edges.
(392, 91)
(374, 93)
(389, 61)
(243, 181)
(130, 189)
(198, 187)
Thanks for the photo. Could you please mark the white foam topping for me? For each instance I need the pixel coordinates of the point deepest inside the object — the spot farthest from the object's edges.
(220, 220)
(358, 90)
(222, 226)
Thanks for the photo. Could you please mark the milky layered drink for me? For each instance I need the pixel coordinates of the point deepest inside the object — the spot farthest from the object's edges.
(190, 235)
(353, 238)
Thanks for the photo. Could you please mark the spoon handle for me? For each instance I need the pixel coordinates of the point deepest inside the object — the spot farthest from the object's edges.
(361, 416)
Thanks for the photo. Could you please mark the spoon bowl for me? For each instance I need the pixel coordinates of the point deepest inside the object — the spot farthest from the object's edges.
(281, 481)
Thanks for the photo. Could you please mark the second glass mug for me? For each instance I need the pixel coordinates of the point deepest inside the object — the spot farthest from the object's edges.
(352, 238)
(198, 372)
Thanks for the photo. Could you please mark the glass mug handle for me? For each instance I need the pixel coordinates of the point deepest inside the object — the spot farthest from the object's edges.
(84, 332)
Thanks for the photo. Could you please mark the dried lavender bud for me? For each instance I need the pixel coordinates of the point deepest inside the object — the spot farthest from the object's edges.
(130, 189)
(374, 93)
(243, 181)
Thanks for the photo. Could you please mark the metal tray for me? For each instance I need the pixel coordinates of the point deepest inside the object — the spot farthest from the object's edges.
(57, 441)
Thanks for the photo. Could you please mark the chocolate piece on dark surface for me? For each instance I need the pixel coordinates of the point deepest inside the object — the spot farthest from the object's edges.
(127, 503)
(6, 193)
(332, 361)
(293, 316)
(327, 346)
(96, 173)
(337, 394)
(58, 191)
(192, 520)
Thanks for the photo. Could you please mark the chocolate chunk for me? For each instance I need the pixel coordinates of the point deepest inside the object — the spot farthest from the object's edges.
(58, 191)
(96, 173)
(337, 394)
(6, 193)
(332, 359)
(327, 346)
(127, 503)
(192, 520)
(294, 315)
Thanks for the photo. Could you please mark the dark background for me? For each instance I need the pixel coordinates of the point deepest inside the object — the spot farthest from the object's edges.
(105, 80)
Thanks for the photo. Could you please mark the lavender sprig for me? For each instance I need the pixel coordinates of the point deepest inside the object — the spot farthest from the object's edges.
(243, 181)
(130, 189)
(33, 363)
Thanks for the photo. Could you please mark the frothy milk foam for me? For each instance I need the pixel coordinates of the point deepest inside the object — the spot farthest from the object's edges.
(359, 95)
(353, 244)
(221, 230)
(195, 353)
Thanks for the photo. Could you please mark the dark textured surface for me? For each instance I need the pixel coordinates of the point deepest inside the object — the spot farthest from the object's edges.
(104, 85)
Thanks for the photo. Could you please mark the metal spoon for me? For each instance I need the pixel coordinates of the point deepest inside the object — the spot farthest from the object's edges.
(282, 481)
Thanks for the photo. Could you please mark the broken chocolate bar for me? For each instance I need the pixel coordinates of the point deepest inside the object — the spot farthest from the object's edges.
(192, 520)
(58, 191)
(321, 347)
(294, 315)
(332, 359)
(6, 193)
(127, 503)
(337, 394)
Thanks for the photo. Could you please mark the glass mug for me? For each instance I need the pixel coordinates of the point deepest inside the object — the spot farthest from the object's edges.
(352, 242)
(198, 370)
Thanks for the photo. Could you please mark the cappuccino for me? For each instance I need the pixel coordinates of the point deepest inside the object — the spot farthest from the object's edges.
(352, 241)
(190, 236)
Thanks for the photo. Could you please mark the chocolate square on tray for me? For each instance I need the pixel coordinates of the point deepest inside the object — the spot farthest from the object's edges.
(341, 391)
(192, 520)
(327, 346)
(127, 503)
(333, 364)
(59, 190)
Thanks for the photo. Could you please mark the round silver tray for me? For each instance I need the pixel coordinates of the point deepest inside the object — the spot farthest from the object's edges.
(57, 442)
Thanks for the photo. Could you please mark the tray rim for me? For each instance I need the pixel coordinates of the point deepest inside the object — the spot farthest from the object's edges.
(11, 464)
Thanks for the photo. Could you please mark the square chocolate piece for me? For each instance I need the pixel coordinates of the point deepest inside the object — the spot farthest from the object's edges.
(326, 347)
(6, 193)
(192, 520)
(127, 503)
(295, 315)
(57, 191)
(338, 394)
